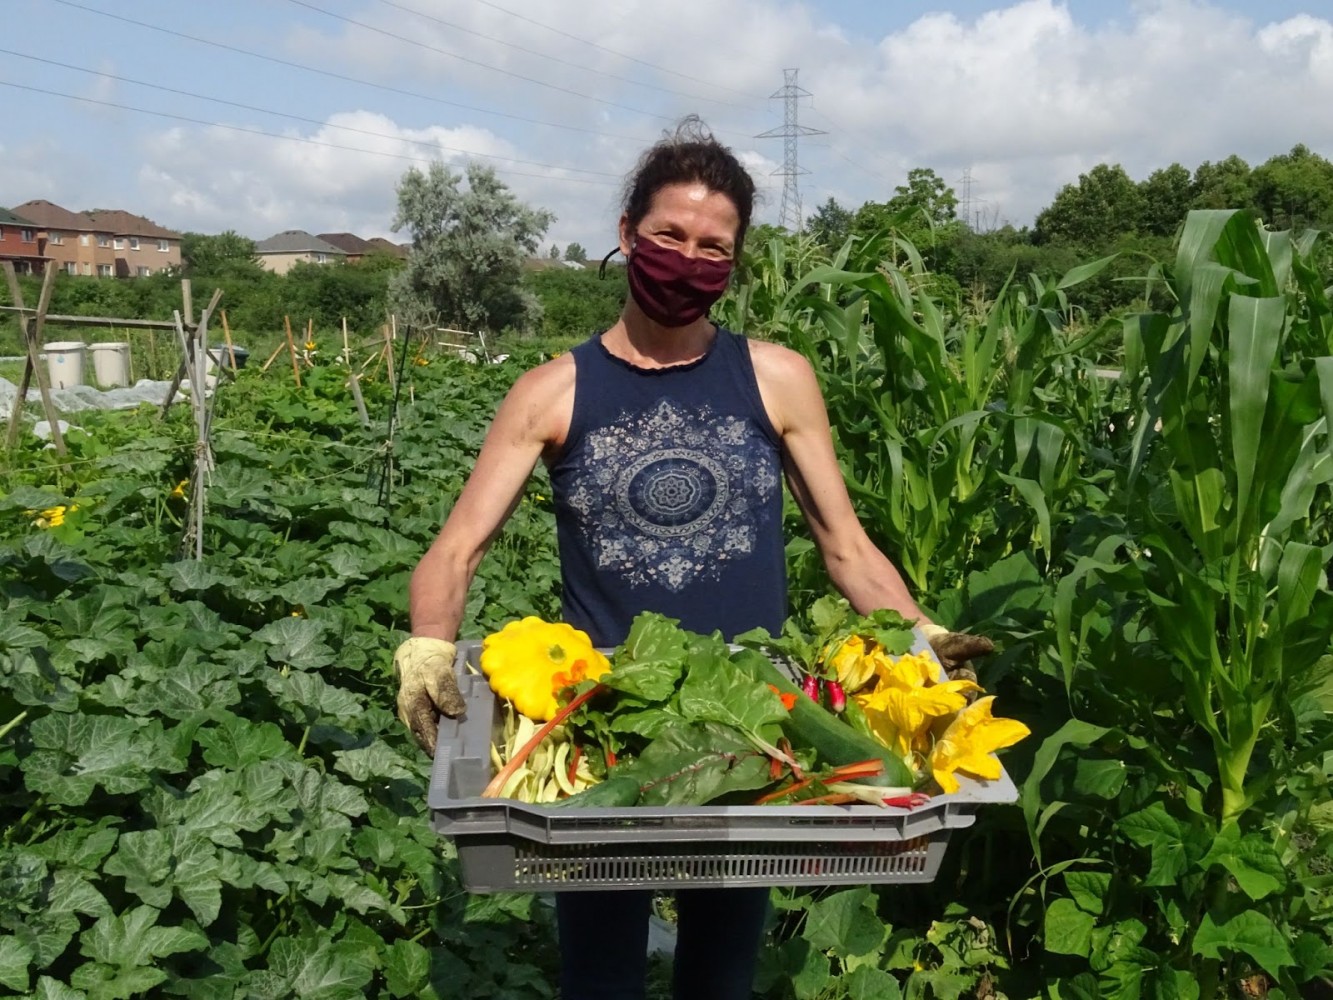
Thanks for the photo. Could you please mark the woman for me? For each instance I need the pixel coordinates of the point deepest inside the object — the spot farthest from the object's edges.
(667, 439)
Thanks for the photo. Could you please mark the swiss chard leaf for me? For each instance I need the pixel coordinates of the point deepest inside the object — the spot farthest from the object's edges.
(697, 764)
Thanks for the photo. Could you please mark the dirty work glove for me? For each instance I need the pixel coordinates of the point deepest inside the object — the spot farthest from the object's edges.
(427, 687)
(955, 650)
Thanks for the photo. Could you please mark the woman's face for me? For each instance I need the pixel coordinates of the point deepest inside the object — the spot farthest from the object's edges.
(690, 218)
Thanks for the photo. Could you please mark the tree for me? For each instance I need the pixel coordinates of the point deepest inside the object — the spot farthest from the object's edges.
(225, 253)
(830, 224)
(927, 191)
(1295, 190)
(1104, 204)
(575, 252)
(1225, 184)
(469, 244)
(553, 253)
(1165, 198)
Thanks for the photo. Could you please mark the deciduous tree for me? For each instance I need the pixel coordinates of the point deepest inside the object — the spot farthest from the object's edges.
(469, 244)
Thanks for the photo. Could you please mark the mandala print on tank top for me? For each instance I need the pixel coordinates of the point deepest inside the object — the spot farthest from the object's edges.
(669, 495)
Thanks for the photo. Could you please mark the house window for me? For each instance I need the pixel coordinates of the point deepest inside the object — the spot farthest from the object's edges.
(321, 258)
(57, 239)
(87, 268)
(104, 270)
(71, 267)
(143, 272)
(163, 246)
(103, 241)
(118, 244)
(134, 243)
(27, 236)
(84, 239)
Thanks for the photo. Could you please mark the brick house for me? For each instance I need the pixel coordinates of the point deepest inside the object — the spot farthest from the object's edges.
(72, 241)
(140, 246)
(21, 243)
(283, 251)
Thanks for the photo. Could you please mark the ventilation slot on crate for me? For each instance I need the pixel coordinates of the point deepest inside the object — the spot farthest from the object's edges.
(740, 863)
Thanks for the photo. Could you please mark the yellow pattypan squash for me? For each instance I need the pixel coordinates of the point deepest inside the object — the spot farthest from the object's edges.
(531, 661)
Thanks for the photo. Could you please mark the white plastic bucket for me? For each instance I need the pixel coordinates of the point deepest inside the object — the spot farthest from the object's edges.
(111, 363)
(64, 362)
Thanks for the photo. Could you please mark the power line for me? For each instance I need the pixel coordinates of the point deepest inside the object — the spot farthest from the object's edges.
(555, 59)
(621, 55)
(285, 138)
(476, 62)
(348, 79)
(301, 118)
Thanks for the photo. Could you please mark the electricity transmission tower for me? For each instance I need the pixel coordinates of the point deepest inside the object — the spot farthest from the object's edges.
(791, 130)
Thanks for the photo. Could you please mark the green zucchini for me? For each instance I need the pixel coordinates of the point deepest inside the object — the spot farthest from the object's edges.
(811, 725)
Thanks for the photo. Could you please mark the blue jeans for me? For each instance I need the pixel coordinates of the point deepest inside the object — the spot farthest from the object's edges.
(604, 943)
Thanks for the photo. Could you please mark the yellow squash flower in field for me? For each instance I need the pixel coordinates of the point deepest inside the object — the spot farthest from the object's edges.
(968, 743)
(531, 661)
(179, 492)
(51, 517)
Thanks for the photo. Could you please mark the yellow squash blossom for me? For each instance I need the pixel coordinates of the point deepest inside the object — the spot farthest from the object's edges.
(968, 743)
(179, 492)
(531, 661)
(901, 716)
(854, 663)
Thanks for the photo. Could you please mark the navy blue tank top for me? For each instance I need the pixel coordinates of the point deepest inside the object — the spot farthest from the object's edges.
(668, 495)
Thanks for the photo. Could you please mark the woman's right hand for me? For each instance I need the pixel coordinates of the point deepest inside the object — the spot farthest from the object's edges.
(427, 687)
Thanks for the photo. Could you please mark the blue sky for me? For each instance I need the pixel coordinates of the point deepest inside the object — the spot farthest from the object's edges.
(561, 95)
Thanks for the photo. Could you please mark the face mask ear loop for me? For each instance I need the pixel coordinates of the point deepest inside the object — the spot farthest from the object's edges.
(601, 271)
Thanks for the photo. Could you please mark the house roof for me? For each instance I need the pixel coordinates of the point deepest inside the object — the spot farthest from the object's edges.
(122, 223)
(48, 215)
(347, 242)
(399, 250)
(296, 241)
(10, 219)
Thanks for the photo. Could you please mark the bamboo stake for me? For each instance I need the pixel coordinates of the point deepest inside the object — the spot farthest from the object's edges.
(291, 346)
(390, 335)
(347, 350)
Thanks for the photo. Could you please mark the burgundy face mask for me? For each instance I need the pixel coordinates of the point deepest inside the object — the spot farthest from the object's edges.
(672, 289)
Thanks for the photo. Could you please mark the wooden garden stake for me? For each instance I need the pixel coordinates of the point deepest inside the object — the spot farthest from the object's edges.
(291, 346)
(273, 357)
(226, 335)
(32, 333)
(347, 350)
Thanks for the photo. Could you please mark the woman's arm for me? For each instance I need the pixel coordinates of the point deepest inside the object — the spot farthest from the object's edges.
(532, 420)
(863, 574)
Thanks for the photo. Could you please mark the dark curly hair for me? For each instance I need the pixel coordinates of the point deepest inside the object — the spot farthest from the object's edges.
(690, 155)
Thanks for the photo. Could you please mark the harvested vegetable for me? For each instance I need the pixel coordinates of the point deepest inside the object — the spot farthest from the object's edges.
(531, 661)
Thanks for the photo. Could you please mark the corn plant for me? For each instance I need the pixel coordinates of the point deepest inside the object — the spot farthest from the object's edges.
(1194, 640)
(944, 420)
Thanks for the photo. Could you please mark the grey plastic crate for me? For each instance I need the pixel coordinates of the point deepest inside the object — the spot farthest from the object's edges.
(509, 846)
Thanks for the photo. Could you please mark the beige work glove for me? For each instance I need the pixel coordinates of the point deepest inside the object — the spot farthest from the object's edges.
(956, 650)
(427, 687)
